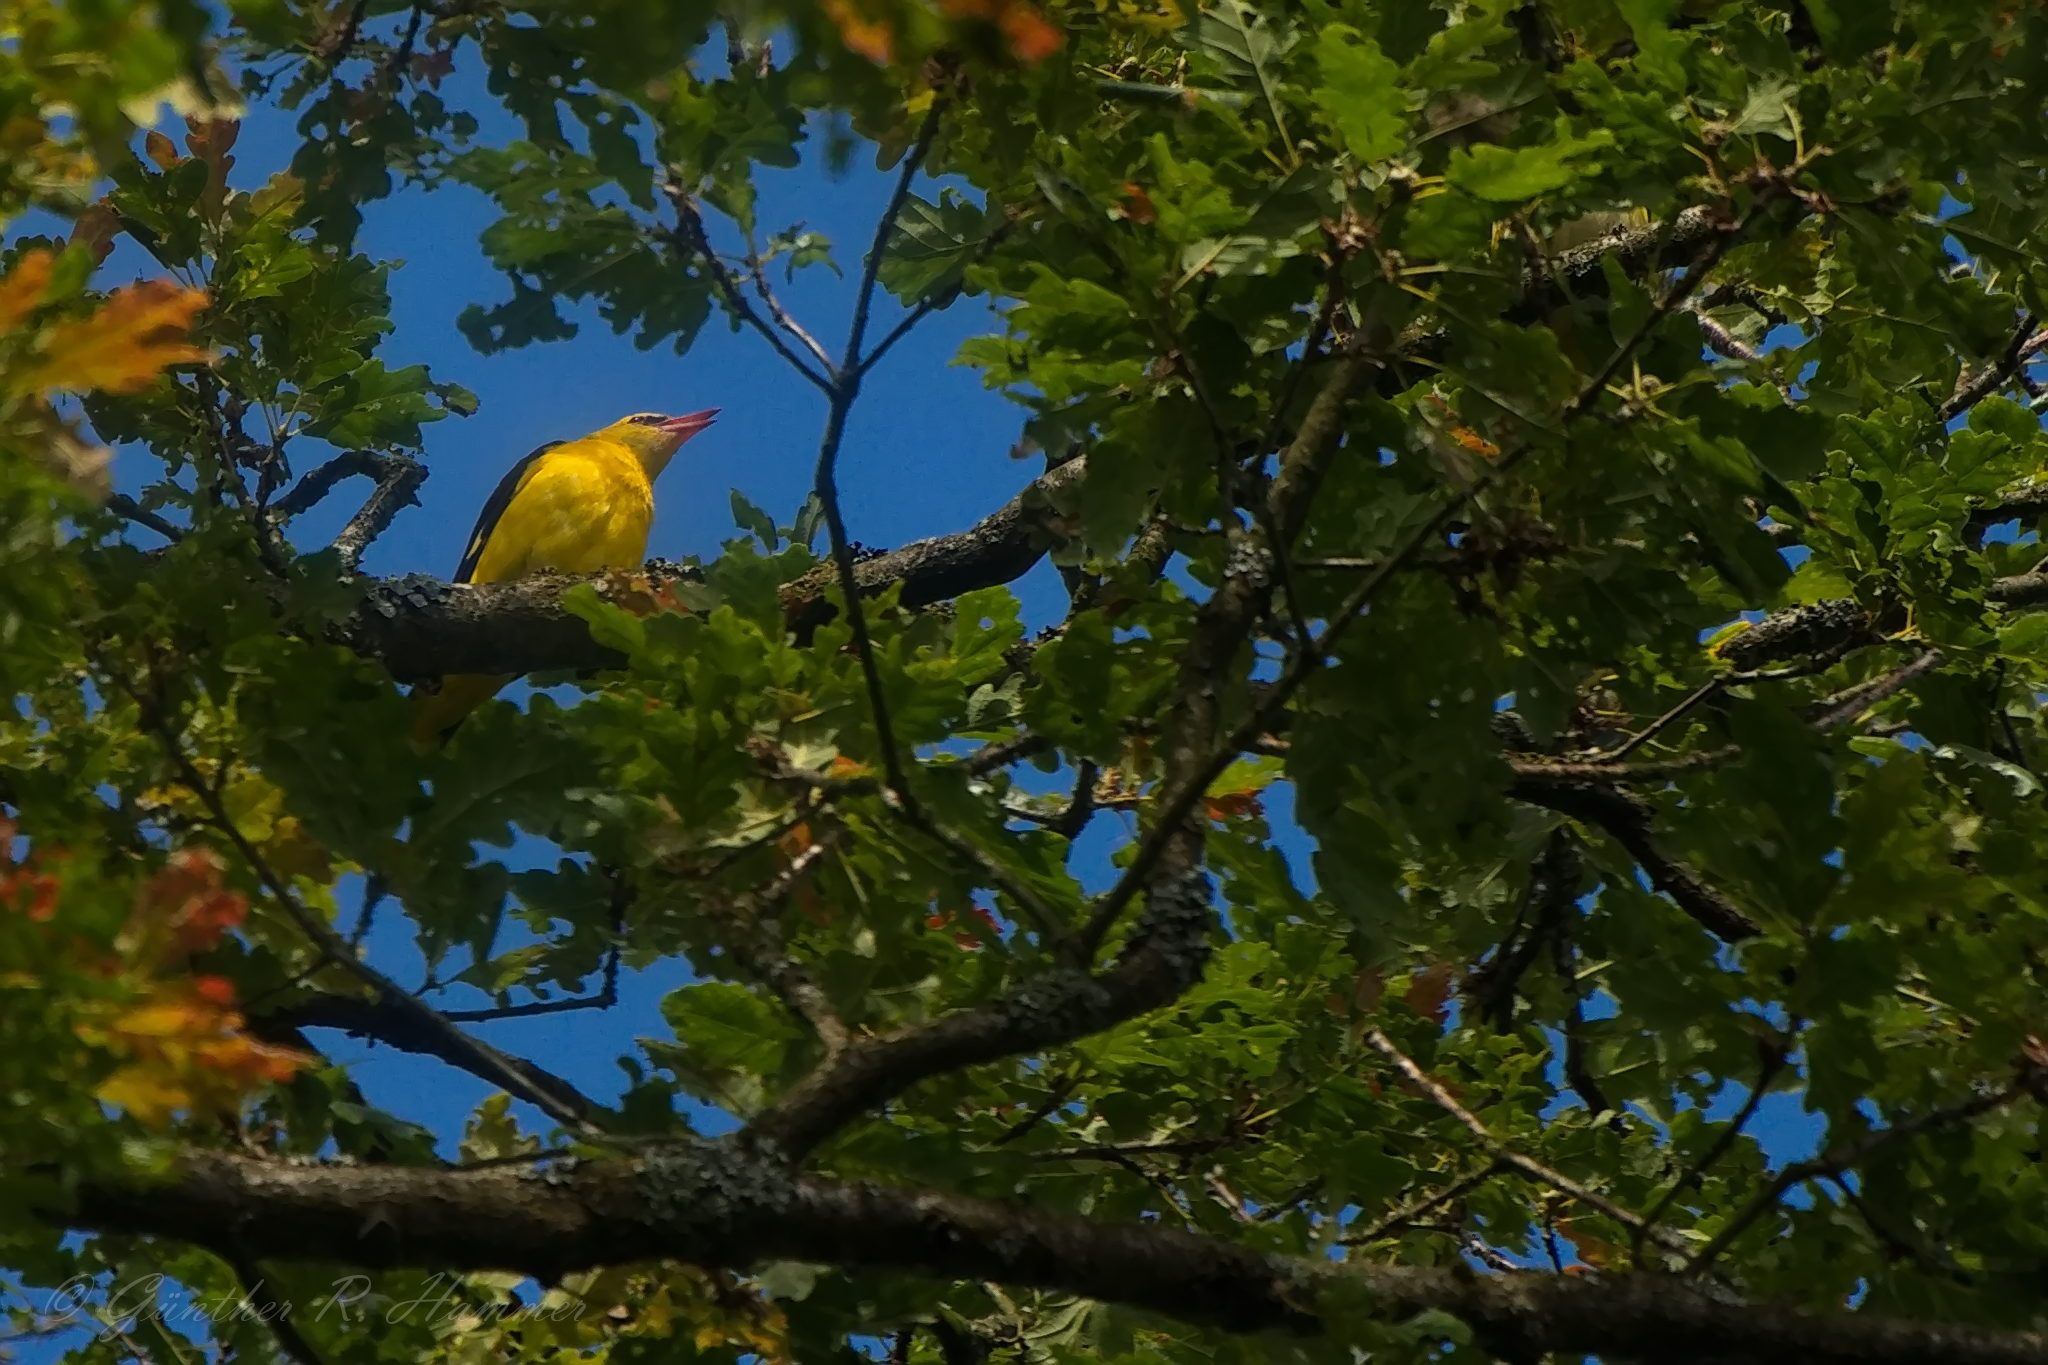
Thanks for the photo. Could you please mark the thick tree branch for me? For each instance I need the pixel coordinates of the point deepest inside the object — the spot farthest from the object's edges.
(1164, 958)
(397, 488)
(1973, 387)
(714, 1205)
(422, 627)
(314, 485)
(1626, 818)
(999, 548)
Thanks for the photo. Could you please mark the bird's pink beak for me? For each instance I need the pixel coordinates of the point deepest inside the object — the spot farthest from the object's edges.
(688, 425)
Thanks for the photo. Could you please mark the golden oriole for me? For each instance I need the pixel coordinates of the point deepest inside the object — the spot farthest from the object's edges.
(572, 506)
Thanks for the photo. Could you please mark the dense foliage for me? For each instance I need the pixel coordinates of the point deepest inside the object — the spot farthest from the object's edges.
(1580, 450)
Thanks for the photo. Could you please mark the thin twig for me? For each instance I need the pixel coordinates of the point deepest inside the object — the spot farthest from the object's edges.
(315, 484)
(689, 235)
(1415, 1208)
(1773, 1063)
(607, 993)
(1656, 727)
(1062, 1091)
(1046, 921)
(604, 999)
(1856, 700)
(844, 388)
(1117, 1151)
(781, 315)
(1834, 1163)
(761, 946)
(1003, 752)
(121, 505)
(945, 296)
(774, 762)
(1506, 1156)
(375, 890)
(1081, 805)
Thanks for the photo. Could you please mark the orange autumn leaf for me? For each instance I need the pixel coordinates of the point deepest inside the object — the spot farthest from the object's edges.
(22, 287)
(186, 897)
(631, 596)
(1474, 442)
(160, 149)
(1592, 1250)
(209, 140)
(1222, 806)
(33, 893)
(182, 1048)
(215, 990)
(963, 937)
(94, 230)
(872, 38)
(121, 347)
(1030, 37)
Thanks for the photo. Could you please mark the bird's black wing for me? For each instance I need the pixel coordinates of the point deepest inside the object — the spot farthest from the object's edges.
(501, 498)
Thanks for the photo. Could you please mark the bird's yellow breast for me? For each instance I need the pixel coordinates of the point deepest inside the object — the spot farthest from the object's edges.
(584, 506)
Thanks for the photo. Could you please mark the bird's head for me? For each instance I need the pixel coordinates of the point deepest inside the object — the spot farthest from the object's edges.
(655, 437)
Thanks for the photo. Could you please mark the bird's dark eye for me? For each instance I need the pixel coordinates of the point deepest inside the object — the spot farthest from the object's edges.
(646, 419)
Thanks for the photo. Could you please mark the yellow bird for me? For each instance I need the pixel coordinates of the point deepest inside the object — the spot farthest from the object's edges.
(571, 506)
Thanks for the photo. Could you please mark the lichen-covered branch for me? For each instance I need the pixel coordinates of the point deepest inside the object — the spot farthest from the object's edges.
(718, 1205)
(422, 627)
(1164, 959)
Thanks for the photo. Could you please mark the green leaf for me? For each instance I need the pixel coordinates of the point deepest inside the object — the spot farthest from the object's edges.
(729, 1041)
(373, 406)
(1247, 46)
(751, 518)
(932, 242)
(1513, 174)
(1361, 94)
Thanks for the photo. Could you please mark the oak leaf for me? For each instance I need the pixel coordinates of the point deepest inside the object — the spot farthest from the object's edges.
(122, 346)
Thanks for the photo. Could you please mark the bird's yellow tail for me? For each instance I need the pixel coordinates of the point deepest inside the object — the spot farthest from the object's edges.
(436, 713)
